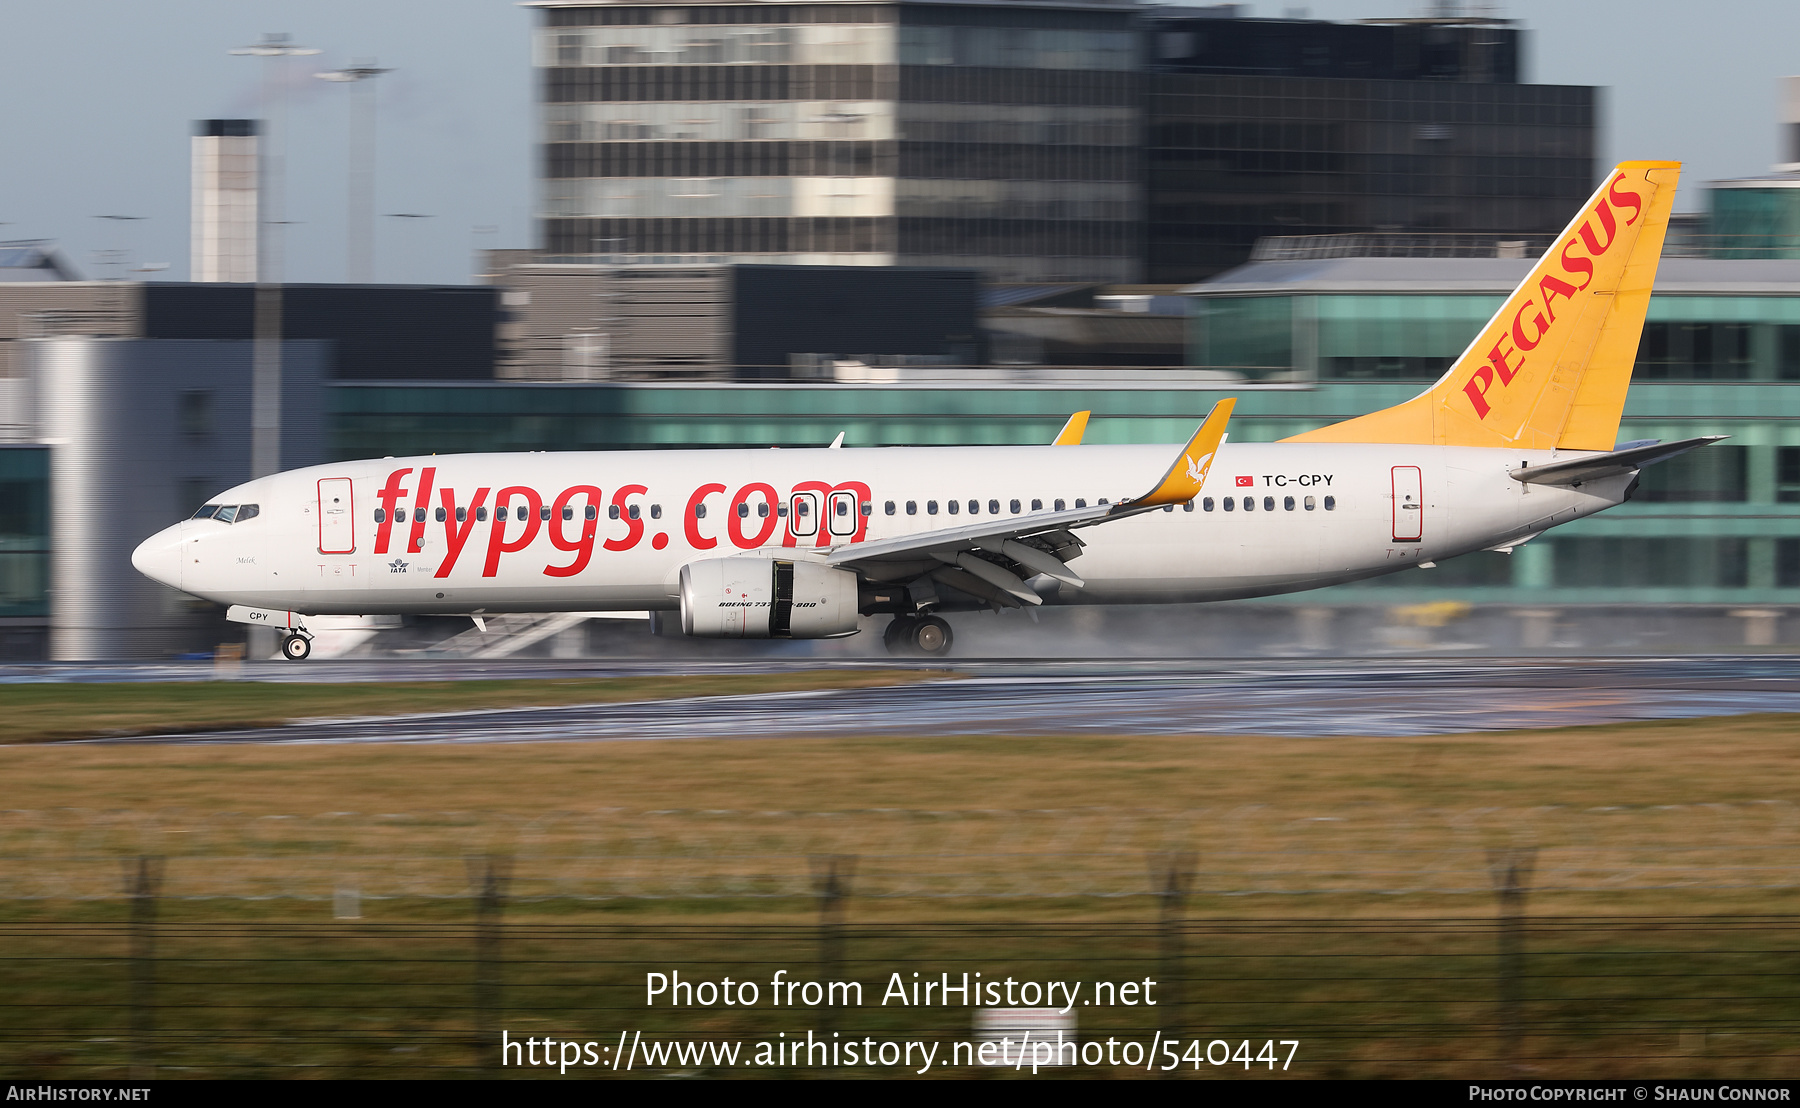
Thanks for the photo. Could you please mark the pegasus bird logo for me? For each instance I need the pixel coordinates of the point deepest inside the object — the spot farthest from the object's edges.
(1196, 470)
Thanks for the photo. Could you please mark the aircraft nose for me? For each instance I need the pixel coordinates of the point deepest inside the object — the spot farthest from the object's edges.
(159, 557)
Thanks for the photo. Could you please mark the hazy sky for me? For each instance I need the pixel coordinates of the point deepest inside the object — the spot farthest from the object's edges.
(99, 98)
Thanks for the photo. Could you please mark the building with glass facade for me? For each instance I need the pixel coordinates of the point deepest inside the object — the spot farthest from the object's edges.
(1295, 127)
(1002, 137)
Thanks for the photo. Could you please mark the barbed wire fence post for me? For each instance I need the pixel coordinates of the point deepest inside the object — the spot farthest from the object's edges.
(489, 875)
(1172, 878)
(831, 874)
(144, 885)
(1511, 871)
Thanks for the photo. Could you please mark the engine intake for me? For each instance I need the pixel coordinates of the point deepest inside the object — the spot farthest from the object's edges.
(760, 598)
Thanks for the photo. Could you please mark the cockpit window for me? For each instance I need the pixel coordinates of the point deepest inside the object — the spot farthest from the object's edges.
(228, 513)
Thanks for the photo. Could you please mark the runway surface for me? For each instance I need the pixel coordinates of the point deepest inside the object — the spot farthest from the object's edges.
(1053, 698)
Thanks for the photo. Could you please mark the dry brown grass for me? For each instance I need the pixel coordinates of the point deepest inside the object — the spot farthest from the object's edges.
(1683, 762)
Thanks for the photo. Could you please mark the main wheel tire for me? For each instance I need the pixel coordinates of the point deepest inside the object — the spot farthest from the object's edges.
(296, 648)
(898, 636)
(931, 637)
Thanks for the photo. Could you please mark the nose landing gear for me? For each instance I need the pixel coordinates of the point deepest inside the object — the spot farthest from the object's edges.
(927, 636)
(296, 648)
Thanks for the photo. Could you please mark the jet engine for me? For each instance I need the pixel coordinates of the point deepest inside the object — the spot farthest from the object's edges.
(761, 598)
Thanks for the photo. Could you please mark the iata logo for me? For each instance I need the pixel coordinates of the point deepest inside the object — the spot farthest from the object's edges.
(397, 566)
(1537, 315)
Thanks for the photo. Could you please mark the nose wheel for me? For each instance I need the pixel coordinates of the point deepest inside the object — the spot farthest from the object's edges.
(296, 648)
(928, 636)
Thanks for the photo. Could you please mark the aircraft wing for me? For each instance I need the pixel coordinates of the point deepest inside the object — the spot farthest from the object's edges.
(1611, 464)
(991, 560)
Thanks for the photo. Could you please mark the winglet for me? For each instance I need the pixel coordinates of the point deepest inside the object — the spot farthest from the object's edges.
(1072, 431)
(1188, 473)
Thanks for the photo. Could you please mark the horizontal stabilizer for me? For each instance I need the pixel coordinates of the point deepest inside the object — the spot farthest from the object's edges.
(1611, 464)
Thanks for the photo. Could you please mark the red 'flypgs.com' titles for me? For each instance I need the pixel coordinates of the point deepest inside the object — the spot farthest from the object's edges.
(526, 506)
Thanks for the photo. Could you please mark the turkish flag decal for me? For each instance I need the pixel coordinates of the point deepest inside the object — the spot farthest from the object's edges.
(1245, 482)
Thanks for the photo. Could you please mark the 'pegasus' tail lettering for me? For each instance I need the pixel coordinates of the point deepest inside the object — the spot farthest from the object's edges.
(1550, 370)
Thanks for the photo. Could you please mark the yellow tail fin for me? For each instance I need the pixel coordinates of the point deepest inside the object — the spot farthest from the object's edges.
(1551, 369)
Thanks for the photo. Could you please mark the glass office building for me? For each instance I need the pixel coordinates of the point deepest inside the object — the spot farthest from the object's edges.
(1272, 127)
(998, 137)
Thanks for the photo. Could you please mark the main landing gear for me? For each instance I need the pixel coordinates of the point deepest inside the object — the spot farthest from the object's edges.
(296, 648)
(918, 635)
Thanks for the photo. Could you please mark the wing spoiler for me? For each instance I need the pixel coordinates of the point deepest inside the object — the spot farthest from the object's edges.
(1611, 464)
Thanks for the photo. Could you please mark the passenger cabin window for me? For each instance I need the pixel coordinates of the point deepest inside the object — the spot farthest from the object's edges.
(1331, 503)
(1287, 503)
(1205, 505)
(612, 511)
(699, 511)
(523, 513)
(1080, 503)
(1061, 504)
(743, 511)
(440, 515)
(568, 512)
(462, 514)
(544, 512)
(762, 510)
(418, 515)
(1268, 503)
(912, 507)
(931, 507)
(1230, 504)
(1037, 505)
(481, 514)
(954, 506)
(633, 511)
(380, 515)
(888, 508)
(656, 511)
(1187, 505)
(1311, 503)
(593, 512)
(868, 509)
(994, 507)
(974, 507)
(1013, 507)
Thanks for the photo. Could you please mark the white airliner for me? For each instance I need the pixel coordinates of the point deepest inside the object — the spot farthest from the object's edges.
(1517, 437)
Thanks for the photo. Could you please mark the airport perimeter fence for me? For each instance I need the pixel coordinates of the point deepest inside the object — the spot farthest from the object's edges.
(173, 945)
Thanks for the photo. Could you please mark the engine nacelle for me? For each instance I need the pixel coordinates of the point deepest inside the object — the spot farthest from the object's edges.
(761, 598)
